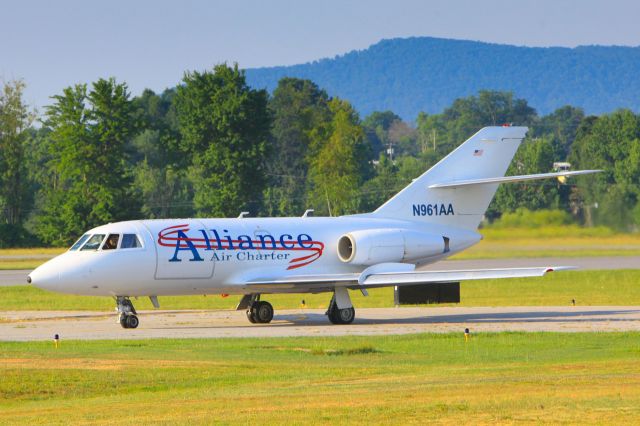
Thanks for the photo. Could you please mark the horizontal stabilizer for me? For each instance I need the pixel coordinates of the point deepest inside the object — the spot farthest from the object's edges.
(507, 179)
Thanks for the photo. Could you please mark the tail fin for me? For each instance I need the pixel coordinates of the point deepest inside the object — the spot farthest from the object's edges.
(486, 154)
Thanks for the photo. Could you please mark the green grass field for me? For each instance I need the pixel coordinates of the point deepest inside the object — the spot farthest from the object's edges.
(26, 258)
(552, 241)
(617, 287)
(498, 377)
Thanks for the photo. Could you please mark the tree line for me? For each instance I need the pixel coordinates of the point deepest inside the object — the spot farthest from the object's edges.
(214, 146)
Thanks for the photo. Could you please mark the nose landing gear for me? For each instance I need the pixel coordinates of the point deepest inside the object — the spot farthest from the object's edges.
(127, 315)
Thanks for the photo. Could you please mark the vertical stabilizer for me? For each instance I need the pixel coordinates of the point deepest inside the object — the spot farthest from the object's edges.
(484, 155)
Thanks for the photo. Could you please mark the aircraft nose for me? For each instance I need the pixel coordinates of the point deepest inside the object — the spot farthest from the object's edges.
(44, 277)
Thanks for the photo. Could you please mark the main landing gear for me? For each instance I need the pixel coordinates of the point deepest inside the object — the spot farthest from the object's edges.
(127, 315)
(340, 316)
(340, 310)
(258, 311)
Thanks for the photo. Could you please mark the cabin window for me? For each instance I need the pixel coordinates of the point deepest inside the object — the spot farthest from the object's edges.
(130, 241)
(79, 243)
(93, 243)
(111, 243)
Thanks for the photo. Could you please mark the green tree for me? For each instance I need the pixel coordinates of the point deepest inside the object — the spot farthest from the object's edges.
(89, 182)
(225, 129)
(610, 142)
(297, 107)
(160, 177)
(562, 126)
(376, 127)
(533, 156)
(338, 161)
(468, 115)
(382, 186)
(15, 118)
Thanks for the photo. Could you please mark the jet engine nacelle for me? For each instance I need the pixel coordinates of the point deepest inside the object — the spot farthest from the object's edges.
(373, 246)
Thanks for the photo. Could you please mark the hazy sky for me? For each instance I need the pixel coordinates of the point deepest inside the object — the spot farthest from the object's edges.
(150, 43)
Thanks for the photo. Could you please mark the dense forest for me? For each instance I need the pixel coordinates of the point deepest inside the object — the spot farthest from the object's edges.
(427, 74)
(214, 146)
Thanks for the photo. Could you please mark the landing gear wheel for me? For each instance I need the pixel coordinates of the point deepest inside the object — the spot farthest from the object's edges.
(341, 316)
(250, 317)
(346, 316)
(132, 321)
(333, 317)
(127, 315)
(262, 312)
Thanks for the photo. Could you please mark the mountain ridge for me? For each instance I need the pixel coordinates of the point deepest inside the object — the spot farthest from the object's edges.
(410, 75)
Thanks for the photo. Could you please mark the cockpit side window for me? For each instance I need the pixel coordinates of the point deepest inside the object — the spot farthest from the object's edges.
(130, 241)
(111, 243)
(93, 243)
(79, 243)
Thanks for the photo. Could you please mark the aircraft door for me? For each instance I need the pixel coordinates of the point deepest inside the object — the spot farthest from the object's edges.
(183, 249)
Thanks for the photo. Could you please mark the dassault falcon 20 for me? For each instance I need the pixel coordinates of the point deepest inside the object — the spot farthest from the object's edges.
(434, 217)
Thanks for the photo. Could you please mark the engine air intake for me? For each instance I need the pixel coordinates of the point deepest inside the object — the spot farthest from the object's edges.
(373, 246)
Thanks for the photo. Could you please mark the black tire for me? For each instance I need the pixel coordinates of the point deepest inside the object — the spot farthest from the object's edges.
(342, 316)
(123, 321)
(132, 321)
(262, 312)
(333, 315)
(346, 316)
(250, 316)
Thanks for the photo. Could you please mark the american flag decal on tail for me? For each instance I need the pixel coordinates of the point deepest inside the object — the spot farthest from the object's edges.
(477, 153)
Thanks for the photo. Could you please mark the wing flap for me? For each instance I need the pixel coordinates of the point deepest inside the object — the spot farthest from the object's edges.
(386, 279)
(427, 277)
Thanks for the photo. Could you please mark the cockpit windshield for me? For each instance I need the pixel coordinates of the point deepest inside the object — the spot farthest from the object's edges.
(111, 242)
(130, 241)
(79, 243)
(93, 243)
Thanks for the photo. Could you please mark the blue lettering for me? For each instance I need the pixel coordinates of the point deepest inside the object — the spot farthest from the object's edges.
(263, 242)
(183, 237)
(245, 240)
(206, 239)
(302, 238)
(229, 240)
(432, 209)
(282, 241)
(218, 240)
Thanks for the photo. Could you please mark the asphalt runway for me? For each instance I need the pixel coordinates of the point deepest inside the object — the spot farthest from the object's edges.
(31, 326)
(13, 277)
(19, 277)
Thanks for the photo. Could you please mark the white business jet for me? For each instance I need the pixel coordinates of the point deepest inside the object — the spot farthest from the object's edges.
(434, 217)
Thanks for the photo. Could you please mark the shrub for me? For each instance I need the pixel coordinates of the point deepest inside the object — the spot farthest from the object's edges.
(533, 219)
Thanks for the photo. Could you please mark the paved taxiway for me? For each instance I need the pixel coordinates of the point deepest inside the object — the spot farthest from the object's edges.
(30, 325)
(19, 277)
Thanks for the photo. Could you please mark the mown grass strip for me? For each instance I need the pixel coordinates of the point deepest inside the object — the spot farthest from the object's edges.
(503, 377)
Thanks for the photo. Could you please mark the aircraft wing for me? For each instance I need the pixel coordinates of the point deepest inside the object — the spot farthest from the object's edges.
(386, 279)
